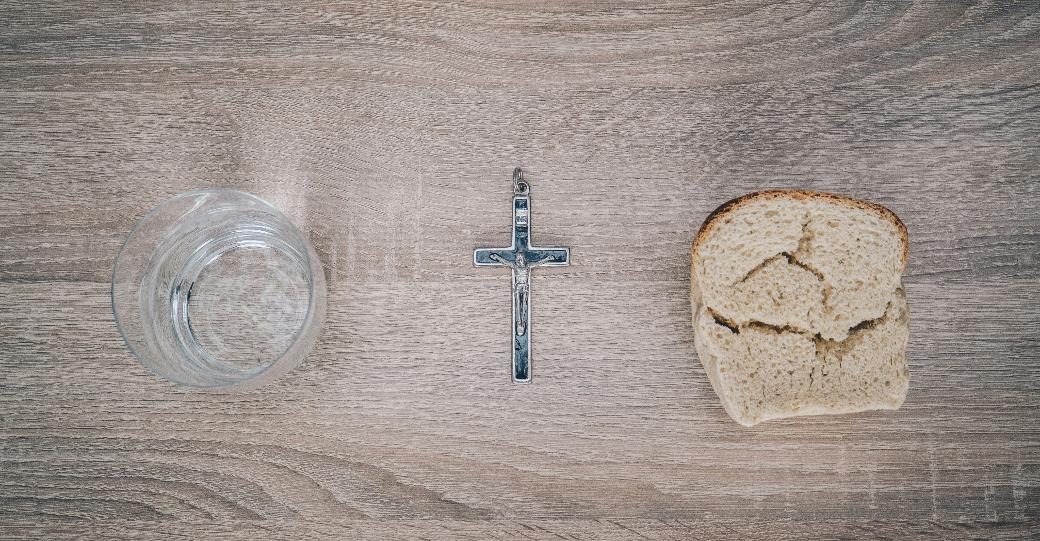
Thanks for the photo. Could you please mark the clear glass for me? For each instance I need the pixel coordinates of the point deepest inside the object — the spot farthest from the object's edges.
(217, 289)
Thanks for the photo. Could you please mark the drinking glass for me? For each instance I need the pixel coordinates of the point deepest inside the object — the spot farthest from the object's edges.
(217, 289)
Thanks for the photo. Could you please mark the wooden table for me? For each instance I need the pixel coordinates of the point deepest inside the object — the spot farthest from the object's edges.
(388, 133)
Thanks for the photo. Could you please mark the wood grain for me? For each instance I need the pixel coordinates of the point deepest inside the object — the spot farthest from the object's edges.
(387, 131)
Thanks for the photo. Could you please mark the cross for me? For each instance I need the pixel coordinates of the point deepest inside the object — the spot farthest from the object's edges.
(521, 257)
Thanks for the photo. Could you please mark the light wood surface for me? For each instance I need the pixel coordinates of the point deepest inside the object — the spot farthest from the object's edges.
(388, 132)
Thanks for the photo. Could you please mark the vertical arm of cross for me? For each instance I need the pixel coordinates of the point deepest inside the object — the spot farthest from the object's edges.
(521, 289)
(521, 223)
(521, 321)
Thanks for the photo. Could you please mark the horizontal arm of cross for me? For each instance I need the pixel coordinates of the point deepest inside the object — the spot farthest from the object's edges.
(494, 257)
(532, 257)
(548, 257)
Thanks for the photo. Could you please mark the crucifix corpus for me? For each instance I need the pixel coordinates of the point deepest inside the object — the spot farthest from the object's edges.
(521, 257)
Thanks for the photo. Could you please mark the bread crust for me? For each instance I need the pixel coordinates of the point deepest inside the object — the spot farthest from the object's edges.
(728, 207)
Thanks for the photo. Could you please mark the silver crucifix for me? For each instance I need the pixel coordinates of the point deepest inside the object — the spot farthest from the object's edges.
(521, 257)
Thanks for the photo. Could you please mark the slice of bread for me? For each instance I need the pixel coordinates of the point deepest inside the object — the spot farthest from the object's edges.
(798, 305)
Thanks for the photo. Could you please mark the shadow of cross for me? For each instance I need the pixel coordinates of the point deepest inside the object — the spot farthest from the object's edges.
(521, 256)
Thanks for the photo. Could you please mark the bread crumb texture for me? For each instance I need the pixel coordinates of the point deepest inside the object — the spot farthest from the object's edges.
(799, 307)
